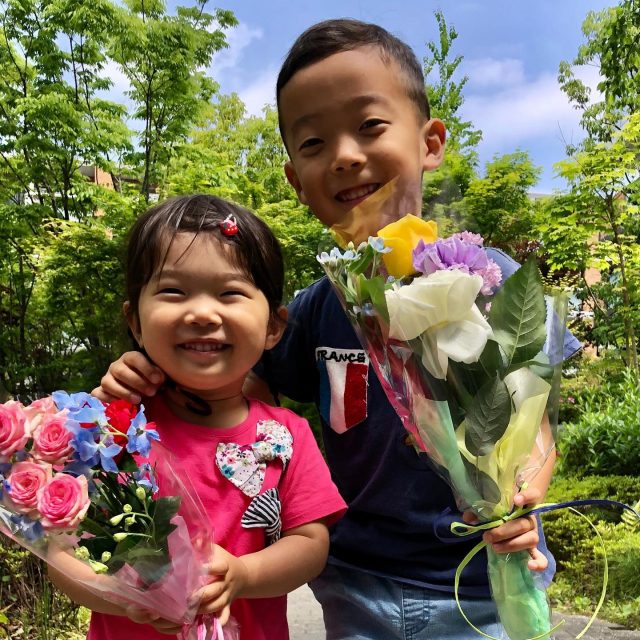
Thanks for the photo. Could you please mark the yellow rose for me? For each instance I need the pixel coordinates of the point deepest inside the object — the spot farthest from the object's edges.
(402, 237)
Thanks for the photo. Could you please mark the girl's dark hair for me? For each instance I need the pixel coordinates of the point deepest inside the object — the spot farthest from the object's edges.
(255, 249)
(325, 38)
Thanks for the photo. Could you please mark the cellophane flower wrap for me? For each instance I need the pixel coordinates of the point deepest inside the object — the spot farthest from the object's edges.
(471, 365)
(81, 481)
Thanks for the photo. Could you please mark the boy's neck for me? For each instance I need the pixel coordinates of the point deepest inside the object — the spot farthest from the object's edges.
(225, 412)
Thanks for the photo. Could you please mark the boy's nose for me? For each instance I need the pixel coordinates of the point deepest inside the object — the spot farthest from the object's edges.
(348, 155)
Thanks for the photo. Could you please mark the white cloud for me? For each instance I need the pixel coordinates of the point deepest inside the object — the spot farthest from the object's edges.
(488, 72)
(512, 116)
(238, 39)
(260, 92)
(120, 82)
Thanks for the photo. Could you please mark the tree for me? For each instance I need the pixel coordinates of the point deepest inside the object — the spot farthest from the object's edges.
(498, 205)
(604, 180)
(445, 94)
(602, 171)
(51, 117)
(611, 46)
(163, 56)
(445, 187)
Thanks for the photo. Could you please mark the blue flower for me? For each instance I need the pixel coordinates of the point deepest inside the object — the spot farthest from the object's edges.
(73, 402)
(139, 436)
(145, 477)
(30, 530)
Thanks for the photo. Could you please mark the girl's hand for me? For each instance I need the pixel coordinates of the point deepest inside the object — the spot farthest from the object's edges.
(142, 616)
(520, 534)
(231, 576)
(130, 377)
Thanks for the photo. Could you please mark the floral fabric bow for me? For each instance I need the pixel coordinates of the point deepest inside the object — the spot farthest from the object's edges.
(244, 465)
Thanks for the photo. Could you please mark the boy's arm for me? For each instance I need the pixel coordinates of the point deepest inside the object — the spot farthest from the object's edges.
(130, 377)
(521, 534)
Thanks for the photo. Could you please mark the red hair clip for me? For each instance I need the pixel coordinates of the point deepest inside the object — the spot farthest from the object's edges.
(229, 226)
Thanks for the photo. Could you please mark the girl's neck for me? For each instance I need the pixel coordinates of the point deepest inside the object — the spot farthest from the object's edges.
(225, 412)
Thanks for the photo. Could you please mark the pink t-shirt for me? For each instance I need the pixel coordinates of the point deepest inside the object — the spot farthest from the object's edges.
(304, 487)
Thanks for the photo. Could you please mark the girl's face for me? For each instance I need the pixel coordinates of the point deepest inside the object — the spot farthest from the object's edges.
(202, 320)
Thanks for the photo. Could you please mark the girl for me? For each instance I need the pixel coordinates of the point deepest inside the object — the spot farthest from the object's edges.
(204, 289)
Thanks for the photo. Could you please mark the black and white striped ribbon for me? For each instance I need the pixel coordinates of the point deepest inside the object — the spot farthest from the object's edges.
(264, 511)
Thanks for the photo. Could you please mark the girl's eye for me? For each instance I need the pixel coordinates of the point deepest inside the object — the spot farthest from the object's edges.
(233, 292)
(172, 290)
(310, 142)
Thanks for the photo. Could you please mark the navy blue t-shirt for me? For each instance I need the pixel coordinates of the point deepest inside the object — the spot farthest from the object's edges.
(393, 493)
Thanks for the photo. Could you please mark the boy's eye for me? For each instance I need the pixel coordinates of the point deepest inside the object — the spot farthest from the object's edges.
(310, 142)
(371, 123)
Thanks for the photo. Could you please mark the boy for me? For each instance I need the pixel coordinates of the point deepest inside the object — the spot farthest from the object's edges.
(354, 115)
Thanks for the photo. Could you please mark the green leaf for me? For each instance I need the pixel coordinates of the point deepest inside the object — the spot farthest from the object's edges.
(487, 417)
(486, 487)
(373, 290)
(518, 314)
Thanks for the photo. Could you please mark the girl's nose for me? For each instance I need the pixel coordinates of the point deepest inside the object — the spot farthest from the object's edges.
(204, 313)
(348, 155)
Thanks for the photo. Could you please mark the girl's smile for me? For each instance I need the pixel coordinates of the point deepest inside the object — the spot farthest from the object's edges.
(201, 318)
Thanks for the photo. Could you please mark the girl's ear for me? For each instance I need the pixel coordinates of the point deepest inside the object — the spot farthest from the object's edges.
(276, 327)
(133, 322)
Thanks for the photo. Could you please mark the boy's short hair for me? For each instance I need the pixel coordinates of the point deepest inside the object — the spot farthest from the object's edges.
(325, 38)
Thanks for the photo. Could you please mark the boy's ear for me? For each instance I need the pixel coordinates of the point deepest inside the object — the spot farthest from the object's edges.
(133, 322)
(434, 135)
(292, 177)
(276, 327)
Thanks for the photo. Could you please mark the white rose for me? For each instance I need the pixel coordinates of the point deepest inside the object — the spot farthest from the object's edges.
(440, 309)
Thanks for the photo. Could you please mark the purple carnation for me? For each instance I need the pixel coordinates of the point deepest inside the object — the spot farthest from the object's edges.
(458, 253)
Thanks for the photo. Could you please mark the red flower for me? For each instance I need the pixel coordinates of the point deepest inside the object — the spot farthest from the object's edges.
(120, 413)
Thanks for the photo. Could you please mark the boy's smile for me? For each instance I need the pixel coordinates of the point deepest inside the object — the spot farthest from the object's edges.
(350, 127)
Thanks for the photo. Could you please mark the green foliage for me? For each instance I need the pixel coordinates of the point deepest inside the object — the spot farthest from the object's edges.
(578, 552)
(33, 608)
(498, 205)
(604, 439)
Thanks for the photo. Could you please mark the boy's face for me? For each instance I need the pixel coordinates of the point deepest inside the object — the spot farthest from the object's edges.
(350, 128)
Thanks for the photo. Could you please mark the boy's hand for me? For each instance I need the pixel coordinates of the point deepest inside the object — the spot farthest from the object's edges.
(520, 534)
(231, 576)
(142, 616)
(130, 377)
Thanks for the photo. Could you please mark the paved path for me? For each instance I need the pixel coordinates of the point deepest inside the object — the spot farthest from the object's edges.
(305, 623)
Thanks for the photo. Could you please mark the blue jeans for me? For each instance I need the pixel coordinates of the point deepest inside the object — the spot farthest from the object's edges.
(360, 606)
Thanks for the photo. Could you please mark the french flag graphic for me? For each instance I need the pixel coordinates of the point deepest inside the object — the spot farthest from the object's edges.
(343, 386)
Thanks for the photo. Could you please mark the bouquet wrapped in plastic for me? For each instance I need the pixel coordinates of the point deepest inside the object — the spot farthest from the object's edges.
(77, 484)
(472, 369)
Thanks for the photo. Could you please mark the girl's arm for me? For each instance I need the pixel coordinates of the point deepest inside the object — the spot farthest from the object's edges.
(69, 572)
(299, 556)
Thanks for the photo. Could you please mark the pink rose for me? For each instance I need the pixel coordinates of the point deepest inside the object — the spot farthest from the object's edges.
(14, 429)
(63, 502)
(38, 409)
(52, 440)
(25, 479)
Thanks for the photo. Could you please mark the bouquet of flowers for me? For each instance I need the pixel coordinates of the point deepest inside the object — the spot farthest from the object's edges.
(75, 478)
(471, 368)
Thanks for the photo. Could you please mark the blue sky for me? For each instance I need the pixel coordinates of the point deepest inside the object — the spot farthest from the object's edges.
(511, 51)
